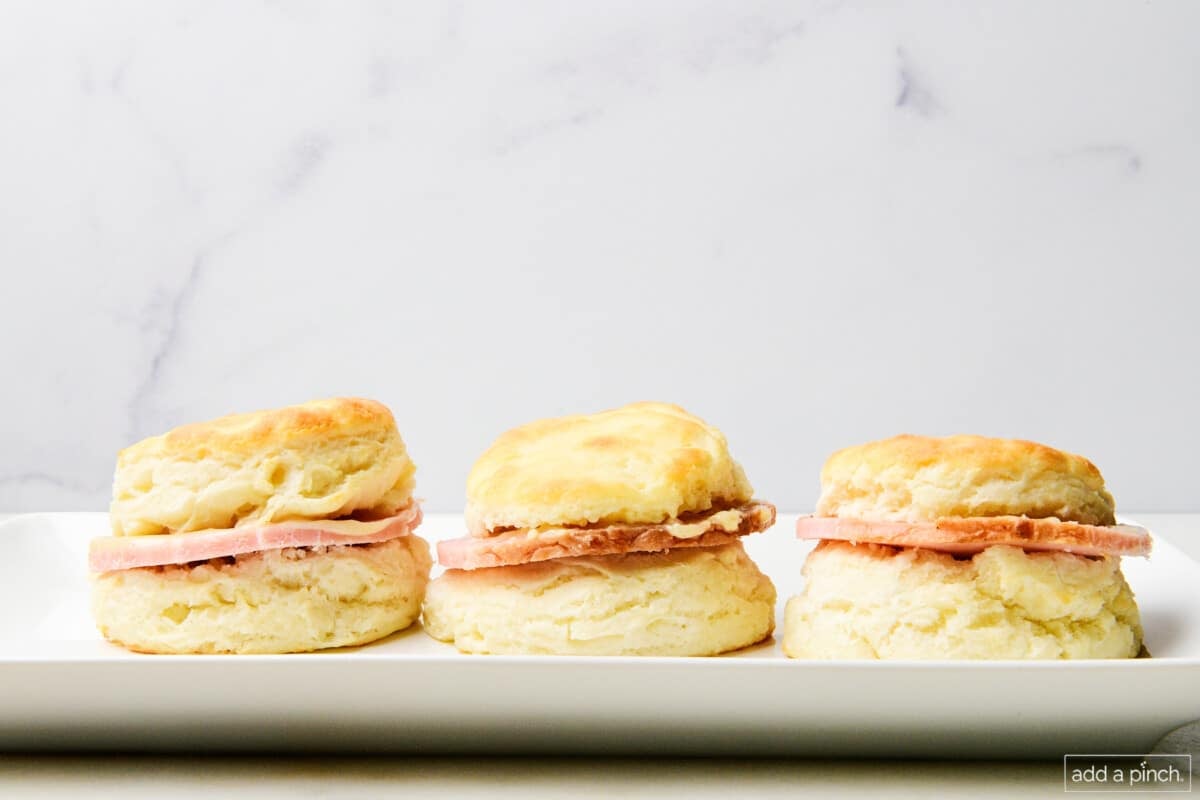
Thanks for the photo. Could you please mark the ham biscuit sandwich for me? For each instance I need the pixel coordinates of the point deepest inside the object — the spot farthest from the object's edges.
(964, 547)
(273, 532)
(615, 533)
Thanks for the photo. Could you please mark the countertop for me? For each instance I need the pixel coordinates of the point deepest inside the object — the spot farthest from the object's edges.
(134, 777)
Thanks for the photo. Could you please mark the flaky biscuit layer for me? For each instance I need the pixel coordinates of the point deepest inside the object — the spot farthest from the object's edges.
(642, 463)
(275, 601)
(318, 460)
(689, 602)
(915, 478)
(872, 601)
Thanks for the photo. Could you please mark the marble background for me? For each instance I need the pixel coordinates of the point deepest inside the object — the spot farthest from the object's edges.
(813, 223)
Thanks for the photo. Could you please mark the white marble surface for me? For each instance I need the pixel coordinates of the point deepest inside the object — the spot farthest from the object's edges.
(812, 222)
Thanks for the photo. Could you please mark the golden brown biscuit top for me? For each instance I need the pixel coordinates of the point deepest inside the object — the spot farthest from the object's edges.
(641, 463)
(248, 432)
(926, 477)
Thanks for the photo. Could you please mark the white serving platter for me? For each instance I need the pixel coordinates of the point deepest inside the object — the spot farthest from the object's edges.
(62, 686)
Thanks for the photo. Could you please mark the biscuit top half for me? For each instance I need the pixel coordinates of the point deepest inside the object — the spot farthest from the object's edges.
(319, 460)
(641, 463)
(918, 478)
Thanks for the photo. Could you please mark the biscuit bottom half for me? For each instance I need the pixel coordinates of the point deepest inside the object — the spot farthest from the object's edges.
(689, 602)
(274, 601)
(874, 601)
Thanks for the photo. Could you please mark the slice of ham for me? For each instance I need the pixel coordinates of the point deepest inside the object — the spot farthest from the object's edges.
(968, 535)
(109, 553)
(523, 546)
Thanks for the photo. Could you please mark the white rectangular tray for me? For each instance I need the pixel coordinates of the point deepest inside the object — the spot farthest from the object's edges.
(62, 686)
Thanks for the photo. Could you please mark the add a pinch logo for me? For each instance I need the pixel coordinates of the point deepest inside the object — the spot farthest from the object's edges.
(1127, 773)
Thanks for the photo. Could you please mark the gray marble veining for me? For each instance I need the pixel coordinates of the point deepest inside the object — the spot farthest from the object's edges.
(812, 223)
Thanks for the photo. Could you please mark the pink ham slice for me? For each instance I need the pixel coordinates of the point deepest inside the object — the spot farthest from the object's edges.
(109, 553)
(968, 535)
(525, 546)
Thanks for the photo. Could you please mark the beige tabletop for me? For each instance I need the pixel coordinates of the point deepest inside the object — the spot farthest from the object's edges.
(132, 776)
(157, 777)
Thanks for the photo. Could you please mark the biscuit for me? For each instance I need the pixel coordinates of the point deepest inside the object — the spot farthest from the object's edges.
(693, 602)
(272, 601)
(915, 478)
(319, 460)
(642, 463)
(873, 601)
